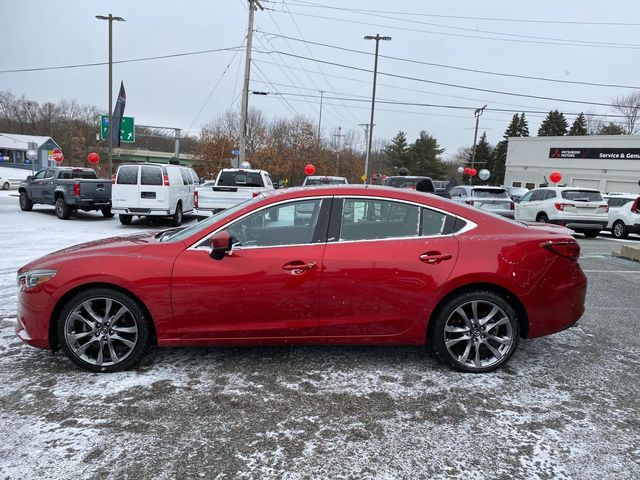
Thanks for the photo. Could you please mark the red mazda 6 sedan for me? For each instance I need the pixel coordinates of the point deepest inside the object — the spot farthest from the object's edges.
(322, 265)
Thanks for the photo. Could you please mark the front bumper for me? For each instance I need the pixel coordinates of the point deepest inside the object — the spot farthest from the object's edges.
(32, 324)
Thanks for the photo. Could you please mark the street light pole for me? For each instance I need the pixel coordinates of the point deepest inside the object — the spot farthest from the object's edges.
(476, 113)
(377, 38)
(320, 119)
(111, 19)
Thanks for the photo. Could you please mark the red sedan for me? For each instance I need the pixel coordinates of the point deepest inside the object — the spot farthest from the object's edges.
(323, 265)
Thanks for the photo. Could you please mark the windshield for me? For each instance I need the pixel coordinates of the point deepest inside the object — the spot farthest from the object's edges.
(582, 195)
(490, 193)
(182, 234)
(240, 179)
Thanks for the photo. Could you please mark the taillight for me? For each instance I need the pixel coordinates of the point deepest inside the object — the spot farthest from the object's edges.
(562, 206)
(113, 179)
(76, 189)
(166, 180)
(255, 194)
(469, 202)
(512, 206)
(605, 207)
(567, 249)
(635, 208)
(195, 199)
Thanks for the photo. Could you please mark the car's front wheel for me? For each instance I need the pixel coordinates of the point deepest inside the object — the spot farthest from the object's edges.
(6, 186)
(477, 332)
(103, 330)
(619, 230)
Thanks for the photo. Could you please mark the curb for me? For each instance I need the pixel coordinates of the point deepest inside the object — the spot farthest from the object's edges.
(631, 253)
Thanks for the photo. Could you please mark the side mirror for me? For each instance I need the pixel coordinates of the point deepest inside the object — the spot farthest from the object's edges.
(29, 178)
(220, 245)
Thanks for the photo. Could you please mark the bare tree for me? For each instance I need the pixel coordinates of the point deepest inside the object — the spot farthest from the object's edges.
(629, 107)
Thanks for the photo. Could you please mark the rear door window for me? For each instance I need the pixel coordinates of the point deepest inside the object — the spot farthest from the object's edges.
(537, 195)
(549, 194)
(377, 219)
(186, 178)
(127, 175)
(582, 195)
(150, 176)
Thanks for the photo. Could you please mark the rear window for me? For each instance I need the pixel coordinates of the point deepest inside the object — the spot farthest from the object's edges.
(127, 175)
(582, 195)
(423, 184)
(490, 193)
(325, 181)
(151, 176)
(240, 179)
(69, 174)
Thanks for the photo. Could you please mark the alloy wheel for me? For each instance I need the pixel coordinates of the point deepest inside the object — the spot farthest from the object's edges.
(478, 334)
(101, 331)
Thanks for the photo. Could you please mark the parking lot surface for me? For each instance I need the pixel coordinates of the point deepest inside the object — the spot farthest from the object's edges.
(564, 407)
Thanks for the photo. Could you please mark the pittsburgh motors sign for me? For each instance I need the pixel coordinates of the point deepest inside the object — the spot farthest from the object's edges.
(596, 153)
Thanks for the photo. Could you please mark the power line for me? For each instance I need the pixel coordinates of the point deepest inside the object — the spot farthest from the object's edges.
(453, 85)
(462, 17)
(132, 60)
(454, 67)
(293, 110)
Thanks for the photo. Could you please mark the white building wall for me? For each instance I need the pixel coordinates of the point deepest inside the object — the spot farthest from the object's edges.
(529, 161)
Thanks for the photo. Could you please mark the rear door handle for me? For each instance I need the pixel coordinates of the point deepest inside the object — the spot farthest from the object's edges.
(297, 267)
(433, 258)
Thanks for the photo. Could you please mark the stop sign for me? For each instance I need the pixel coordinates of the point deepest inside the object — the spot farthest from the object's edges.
(57, 155)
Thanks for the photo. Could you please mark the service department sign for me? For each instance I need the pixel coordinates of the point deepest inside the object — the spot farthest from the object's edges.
(596, 153)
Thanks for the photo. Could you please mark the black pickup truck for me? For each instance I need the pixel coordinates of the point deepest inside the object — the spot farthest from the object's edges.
(69, 189)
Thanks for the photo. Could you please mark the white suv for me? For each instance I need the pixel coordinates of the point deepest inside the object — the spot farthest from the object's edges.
(624, 214)
(581, 209)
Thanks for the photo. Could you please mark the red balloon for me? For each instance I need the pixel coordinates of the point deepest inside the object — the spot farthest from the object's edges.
(467, 170)
(93, 157)
(309, 169)
(555, 177)
(472, 171)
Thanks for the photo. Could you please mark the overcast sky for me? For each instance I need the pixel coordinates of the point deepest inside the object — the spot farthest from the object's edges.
(571, 40)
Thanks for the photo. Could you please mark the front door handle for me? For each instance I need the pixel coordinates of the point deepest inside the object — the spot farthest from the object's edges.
(433, 258)
(297, 267)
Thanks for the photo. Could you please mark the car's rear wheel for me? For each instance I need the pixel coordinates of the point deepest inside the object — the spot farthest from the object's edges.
(106, 211)
(125, 219)
(542, 218)
(103, 330)
(177, 216)
(619, 230)
(6, 186)
(25, 204)
(63, 211)
(477, 332)
(591, 233)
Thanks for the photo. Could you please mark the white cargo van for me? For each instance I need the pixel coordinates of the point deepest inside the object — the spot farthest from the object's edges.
(151, 189)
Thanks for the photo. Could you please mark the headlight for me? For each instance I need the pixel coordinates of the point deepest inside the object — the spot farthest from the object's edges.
(34, 278)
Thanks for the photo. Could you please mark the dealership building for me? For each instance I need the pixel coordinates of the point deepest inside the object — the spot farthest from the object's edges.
(609, 163)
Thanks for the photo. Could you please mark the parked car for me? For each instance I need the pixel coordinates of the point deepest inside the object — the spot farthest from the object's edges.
(491, 199)
(395, 267)
(624, 214)
(312, 180)
(581, 209)
(440, 185)
(410, 181)
(5, 184)
(67, 188)
(232, 186)
(154, 190)
(515, 193)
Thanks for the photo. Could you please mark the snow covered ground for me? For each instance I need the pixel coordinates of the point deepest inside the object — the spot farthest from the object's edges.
(565, 407)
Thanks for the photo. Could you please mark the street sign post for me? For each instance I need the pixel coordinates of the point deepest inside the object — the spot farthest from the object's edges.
(127, 129)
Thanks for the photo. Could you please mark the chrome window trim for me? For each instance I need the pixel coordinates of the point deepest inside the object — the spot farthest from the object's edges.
(470, 225)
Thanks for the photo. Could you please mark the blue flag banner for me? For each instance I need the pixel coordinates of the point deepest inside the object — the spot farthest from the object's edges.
(118, 113)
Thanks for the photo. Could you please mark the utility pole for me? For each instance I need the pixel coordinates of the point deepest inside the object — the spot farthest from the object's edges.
(110, 18)
(253, 5)
(476, 113)
(176, 150)
(320, 119)
(377, 38)
(339, 135)
(366, 144)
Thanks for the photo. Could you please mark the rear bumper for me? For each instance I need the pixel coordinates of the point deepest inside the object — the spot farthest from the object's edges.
(90, 203)
(147, 212)
(580, 223)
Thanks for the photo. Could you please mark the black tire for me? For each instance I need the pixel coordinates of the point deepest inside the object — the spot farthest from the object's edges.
(6, 186)
(484, 339)
(125, 219)
(106, 211)
(63, 211)
(25, 204)
(619, 230)
(176, 221)
(591, 233)
(92, 344)
(542, 218)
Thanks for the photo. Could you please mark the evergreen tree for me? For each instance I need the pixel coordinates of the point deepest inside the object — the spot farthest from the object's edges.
(579, 126)
(553, 125)
(425, 157)
(483, 155)
(523, 126)
(611, 129)
(397, 152)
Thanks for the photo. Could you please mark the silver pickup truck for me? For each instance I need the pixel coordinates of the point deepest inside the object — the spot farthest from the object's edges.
(68, 189)
(232, 186)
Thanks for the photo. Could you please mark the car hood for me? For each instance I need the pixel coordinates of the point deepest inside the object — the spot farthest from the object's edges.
(114, 245)
(550, 227)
